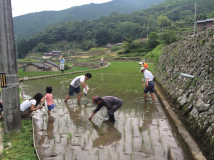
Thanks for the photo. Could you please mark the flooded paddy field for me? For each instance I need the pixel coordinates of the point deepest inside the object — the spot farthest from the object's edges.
(141, 130)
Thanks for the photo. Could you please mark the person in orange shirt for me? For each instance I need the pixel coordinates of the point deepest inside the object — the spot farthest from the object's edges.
(49, 99)
(145, 65)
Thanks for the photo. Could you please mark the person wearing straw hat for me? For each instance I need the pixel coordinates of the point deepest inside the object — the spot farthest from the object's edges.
(112, 104)
(149, 86)
(62, 64)
(101, 61)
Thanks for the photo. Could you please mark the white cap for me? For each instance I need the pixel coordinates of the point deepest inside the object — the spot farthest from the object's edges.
(143, 68)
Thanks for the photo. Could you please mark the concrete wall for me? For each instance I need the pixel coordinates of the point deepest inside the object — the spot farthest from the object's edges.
(199, 26)
(30, 68)
(194, 97)
(210, 24)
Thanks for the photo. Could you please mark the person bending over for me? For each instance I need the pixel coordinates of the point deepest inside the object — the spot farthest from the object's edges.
(74, 86)
(112, 104)
(28, 106)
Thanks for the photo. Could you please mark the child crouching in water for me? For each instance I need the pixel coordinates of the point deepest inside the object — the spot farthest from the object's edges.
(49, 99)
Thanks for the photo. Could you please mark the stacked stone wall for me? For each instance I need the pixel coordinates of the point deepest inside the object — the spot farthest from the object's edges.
(194, 97)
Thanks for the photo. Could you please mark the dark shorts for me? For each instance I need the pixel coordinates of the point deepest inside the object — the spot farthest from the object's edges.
(115, 107)
(26, 112)
(51, 107)
(72, 90)
(150, 89)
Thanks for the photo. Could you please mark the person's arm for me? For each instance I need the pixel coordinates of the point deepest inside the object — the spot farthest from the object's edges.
(83, 84)
(34, 109)
(65, 63)
(91, 116)
(42, 100)
(147, 82)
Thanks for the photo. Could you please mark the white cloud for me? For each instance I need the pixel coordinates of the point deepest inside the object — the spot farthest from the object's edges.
(21, 7)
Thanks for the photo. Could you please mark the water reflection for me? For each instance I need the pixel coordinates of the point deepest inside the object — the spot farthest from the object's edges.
(107, 132)
(50, 127)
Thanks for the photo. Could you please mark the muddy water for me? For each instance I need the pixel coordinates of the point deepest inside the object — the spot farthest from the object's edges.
(141, 130)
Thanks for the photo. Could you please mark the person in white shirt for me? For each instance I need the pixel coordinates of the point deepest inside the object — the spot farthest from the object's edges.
(74, 86)
(28, 106)
(149, 86)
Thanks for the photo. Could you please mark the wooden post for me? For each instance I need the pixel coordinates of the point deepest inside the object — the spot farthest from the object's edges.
(8, 65)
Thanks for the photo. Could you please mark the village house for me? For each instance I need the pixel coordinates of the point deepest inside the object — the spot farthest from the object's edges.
(52, 54)
(205, 24)
(41, 66)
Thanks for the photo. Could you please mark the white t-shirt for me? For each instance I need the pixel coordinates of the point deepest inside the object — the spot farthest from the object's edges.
(148, 74)
(77, 81)
(26, 104)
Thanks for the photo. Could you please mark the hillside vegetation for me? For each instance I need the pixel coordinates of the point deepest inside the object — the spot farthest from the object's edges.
(175, 17)
(27, 25)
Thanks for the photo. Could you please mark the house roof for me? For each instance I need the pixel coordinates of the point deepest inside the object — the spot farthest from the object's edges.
(52, 63)
(40, 65)
(205, 20)
(47, 54)
(56, 51)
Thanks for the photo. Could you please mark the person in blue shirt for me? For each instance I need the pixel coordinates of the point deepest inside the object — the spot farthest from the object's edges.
(62, 63)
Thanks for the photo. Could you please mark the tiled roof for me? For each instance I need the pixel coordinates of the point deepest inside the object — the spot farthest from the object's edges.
(40, 65)
(54, 64)
(205, 20)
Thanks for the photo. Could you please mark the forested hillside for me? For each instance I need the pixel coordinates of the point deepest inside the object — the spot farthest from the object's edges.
(27, 25)
(174, 15)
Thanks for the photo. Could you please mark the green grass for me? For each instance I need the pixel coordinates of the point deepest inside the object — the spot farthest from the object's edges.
(97, 49)
(155, 53)
(22, 74)
(22, 143)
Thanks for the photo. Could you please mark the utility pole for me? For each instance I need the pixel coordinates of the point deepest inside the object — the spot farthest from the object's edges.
(69, 54)
(8, 65)
(74, 48)
(147, 32)
(195, 19)
(17, 54)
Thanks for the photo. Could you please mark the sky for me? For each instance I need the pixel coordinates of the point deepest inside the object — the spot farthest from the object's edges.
(21, 7)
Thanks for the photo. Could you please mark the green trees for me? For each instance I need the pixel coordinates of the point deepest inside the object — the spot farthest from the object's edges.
(164, 21)
(23, 48)
(41, 47)
(102, 36)
(87, 45)
(168, 37)
(153, 40)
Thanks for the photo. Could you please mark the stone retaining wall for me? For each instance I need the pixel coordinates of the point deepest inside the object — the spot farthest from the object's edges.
(194, 97)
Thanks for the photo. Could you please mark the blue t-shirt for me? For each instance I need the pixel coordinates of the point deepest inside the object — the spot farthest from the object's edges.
(62, 61)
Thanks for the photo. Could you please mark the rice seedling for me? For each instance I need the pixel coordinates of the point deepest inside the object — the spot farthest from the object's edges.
(53, 147)
(64, 155)
(98, 155)
(142, 138)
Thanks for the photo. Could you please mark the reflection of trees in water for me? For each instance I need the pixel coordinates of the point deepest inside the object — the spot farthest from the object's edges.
(148, 110)
(107, 132)
(50, 127)
(75, 114)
